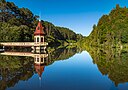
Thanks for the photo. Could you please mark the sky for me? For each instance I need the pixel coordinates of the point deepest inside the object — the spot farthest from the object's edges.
(77, 15)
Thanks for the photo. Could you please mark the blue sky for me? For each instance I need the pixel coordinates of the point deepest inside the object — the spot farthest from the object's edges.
(78, 15)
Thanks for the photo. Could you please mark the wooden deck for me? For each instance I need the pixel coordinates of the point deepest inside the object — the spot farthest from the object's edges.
(23, 44)
(28, 54)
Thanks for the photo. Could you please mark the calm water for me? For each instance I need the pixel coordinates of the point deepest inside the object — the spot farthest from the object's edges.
(66, 69)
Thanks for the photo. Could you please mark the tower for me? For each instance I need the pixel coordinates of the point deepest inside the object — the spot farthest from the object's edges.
(39, 43)
(39, 34)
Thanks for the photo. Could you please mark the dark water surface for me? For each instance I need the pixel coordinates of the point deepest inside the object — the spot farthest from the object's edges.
(66, 69)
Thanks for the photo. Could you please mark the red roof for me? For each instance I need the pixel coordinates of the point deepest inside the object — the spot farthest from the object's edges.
(39, 29)
(39, 69)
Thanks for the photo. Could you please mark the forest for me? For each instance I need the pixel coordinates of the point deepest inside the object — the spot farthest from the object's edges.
(111, 30)
(18, 25)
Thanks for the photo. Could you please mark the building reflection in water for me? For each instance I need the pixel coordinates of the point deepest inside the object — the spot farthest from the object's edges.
(40, 59)
(21, 66)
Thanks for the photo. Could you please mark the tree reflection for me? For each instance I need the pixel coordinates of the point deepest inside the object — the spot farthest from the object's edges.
(16, 68)
(13, 69)
(111, 62)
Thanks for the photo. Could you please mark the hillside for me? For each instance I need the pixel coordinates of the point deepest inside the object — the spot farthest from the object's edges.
(18, 24)
(111, 30)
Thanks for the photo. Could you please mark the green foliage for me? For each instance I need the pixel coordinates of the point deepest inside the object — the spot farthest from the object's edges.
(59, 35)
(61, 53)
(18, 24)
(14, 69)
(111, 62)
(111, 30)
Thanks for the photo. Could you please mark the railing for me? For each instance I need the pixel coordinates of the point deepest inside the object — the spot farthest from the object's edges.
(23, 44)
(40, 44)
(23, 54)
(17, 54)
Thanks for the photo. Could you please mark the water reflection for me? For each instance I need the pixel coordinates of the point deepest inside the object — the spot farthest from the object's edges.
(13, 69)
(20, 66)
(111, 62)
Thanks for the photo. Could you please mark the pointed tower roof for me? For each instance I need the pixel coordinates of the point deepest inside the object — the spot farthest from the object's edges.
(39, 69)
(39, 29)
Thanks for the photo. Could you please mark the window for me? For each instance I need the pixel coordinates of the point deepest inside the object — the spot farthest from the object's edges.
(42, 39)
(41, 59)
(37, 59)
(37, 39)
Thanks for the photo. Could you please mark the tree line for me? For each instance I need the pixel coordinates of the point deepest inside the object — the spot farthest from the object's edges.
(111, 30)
(18, 24)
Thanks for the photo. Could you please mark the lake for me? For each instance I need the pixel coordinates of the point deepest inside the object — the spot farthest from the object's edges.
(65, 69)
